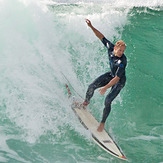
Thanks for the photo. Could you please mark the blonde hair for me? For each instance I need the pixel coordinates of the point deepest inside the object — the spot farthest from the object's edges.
(120, 43)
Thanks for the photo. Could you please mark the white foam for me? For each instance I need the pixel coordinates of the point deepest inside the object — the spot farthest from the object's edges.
(37, 47)
(122, 3)
(32, 86)
(146, 137)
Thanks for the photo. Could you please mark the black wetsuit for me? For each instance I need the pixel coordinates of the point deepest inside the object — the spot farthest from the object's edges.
(117, 66)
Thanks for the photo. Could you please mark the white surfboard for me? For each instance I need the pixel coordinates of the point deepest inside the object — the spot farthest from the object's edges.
(101, 138)
(90, 123)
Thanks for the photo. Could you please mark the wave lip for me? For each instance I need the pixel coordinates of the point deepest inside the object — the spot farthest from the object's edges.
(133, 3)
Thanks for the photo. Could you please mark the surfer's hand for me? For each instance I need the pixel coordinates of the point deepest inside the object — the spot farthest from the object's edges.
(102, 90)
(88, 22)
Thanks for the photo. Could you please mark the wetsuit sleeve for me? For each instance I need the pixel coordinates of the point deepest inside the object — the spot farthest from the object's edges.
(107, 44)
(121, 69)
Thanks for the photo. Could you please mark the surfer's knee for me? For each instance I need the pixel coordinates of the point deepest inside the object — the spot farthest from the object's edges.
(90, 92)
(91, 88)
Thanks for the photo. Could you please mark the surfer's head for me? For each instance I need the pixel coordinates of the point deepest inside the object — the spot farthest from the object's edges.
(119, 48)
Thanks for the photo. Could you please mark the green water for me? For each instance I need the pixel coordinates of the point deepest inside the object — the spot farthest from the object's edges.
(41, 40)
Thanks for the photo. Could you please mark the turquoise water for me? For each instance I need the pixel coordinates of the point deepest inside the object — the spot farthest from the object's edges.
(40, 41)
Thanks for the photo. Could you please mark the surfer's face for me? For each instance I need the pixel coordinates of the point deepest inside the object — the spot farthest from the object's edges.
(119, 50)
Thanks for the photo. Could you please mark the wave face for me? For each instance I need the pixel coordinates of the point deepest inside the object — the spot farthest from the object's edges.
(45, 43)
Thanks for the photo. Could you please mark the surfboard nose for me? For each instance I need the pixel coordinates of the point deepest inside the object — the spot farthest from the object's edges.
(123, 157)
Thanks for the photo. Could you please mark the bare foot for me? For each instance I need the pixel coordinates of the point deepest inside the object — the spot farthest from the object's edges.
(100, 127)
(85, 103)
(80, 105)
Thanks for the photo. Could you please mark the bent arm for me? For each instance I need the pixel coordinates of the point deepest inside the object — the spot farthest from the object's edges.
(96, 32)
(110, 84)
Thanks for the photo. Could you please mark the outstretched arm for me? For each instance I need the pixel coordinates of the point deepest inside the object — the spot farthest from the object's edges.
(97, 33)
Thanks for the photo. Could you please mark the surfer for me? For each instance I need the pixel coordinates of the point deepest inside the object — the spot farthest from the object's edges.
(114, 79)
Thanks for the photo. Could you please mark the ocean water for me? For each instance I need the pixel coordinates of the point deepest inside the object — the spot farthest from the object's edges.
(45, 44)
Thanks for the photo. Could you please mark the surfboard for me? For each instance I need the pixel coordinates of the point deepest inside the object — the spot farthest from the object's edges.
(103, 139)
